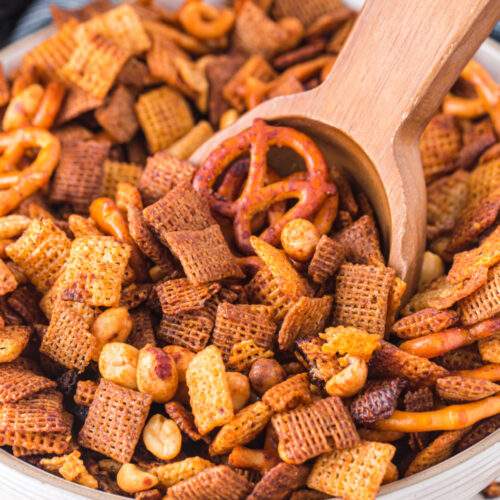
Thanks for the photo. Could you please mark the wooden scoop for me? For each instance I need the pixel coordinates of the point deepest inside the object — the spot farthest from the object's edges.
(392, 74)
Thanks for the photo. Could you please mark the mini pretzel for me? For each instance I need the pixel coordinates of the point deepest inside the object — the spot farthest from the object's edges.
(34, 106)
(110, 220)
(256, 196)
(205, 21)
(449, 418)
(17, 185)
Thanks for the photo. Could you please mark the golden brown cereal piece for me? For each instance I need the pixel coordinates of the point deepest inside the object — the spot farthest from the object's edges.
(244, 353)
(180, 209)
(180, 295)
(115, 172)
(446, 198)
(79, 176)
(424, 322)
(483, 181)
(460, 389)
(49, 56)
(82, 226)
(489, 349)
(394, 304)
(175, 472)
(349, 340)
(289, 394)
(68, 339)
(13, 225)
(184, 420)
(8, 282)
(237, 322)
(361, 243)
(191, 329)
(204, 254)
(18, 382)
(306, 12)
(484, 303)
(209, 390)
(306, 318)
(115, 421)
(39, 443)
(280, 481)
(321, 366)
(217, 483)
(327, 258)
(378, 400)
(439, 450)
(13, 340)
(440, 145)
(164, 116)
(356, 473)
(164, 172)
(121, 25)
(244, 427)
(390, 361)
(95, 64)
(85, 392)
(4, 88)
(94, 271)
(479, 432)
(42, 412)
(312, 430)
(71, 468)
(117, 116)
(361, 297)
(40, 252)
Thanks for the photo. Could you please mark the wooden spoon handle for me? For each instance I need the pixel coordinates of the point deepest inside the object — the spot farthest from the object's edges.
(398, 63)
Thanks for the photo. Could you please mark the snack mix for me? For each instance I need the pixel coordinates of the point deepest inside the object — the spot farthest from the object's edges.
(231, 330)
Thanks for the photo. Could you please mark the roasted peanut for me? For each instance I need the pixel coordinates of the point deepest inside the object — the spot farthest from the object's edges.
(240, 389)
(432, 268)
(350, 380)
(299, 239)
(113, 325)
(162, 437)
(156, 374)
(132, 480)
(264, 374)
(118, 363)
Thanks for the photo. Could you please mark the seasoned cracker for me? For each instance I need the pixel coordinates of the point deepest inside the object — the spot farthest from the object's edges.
(209, 390)
(289, 394)
(328, 256)
(204, 254)
(115, 172)
(348, 340)
(238, 322)
(115, 421)
(164, 116)
(356, 473)
(361, 297)
(312, 430)
(244, 427)
(423, 322)
(41, 252)
(461, 389)
(306, 318)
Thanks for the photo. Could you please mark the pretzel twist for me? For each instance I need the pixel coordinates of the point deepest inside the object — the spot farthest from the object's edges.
(205, 21)
(17, 185)
(256, 196)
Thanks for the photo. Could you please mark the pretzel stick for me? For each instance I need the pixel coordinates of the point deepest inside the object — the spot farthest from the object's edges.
(486, 372)
(49, 105)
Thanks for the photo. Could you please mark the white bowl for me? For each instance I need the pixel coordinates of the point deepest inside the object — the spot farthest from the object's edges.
(458, 478)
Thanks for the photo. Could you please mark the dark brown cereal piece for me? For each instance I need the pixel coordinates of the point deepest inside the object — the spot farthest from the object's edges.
(135, 294)
(163, 173)
(361, 242)
(142, 328)
(181, 209)
(8, 281)
(423, 322)
(180, 295)
(464, 358)
(217, 483)
(481, 430)
(18, 382)
(460, 389)
(307, 494)
(117, 116)
(289, 394)
(391, 361)
(307, 12)
(184, 420)
(306, 318)
(85, 392)
(115, 421)
(420, 399)
(77, 103)
(278, 482)
(191, 329)
(204, 254)
(24, 301)
(237, 322)
(377, 401)
(328, 256)
(78, 178)
(361, 297)
(300, 54)
(135, 73)
(476, 137)
(312, 430)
